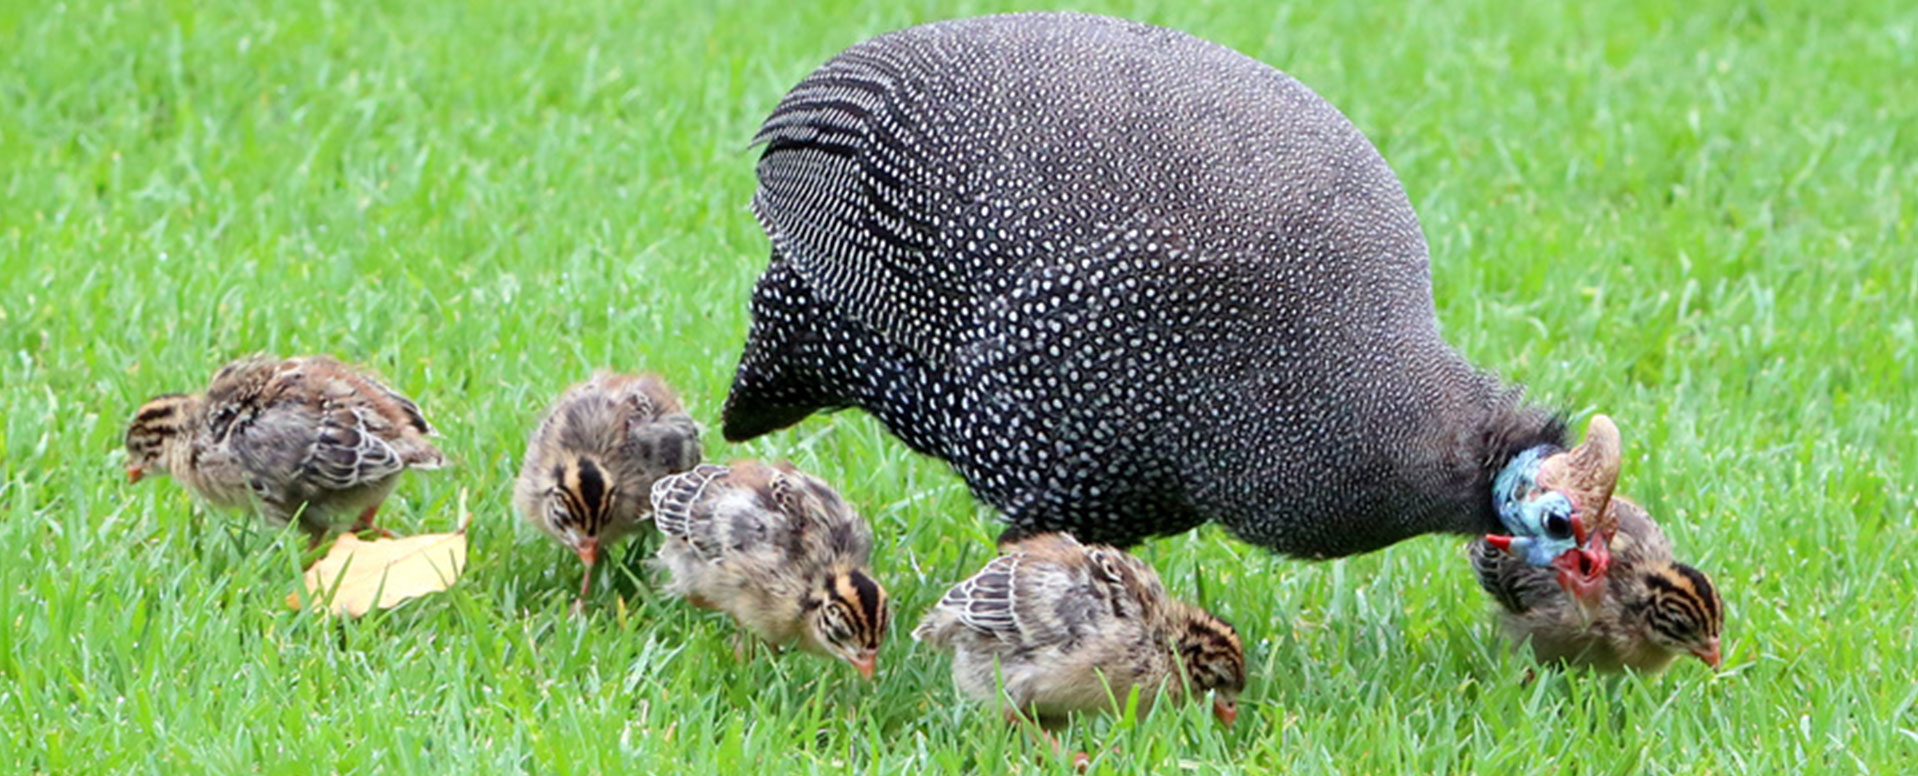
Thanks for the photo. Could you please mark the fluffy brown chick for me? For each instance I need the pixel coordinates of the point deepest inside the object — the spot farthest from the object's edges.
(305, 438)
(779, 551)
(1066, 627)
(590, 465)
(1652, 610)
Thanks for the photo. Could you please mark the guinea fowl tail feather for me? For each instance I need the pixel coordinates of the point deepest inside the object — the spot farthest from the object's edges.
(749, 414)
(776, 385)
(765, 395)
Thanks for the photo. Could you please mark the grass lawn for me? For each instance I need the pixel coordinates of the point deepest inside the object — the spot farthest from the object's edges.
(1701, 223)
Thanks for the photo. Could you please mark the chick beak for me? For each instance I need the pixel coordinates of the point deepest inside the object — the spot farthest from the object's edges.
(1225, 711)
(1709, 654)
(134, 473)
(867, 663)
(1501, 543)
(588, 550)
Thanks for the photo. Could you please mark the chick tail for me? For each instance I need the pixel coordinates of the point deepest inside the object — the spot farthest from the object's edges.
(419, 454)
(935, 629)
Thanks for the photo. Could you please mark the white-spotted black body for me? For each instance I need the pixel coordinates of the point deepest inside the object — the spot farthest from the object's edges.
(1125, 281)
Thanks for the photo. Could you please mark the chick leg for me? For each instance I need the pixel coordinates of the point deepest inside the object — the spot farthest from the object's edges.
(744, 646)
(1080, 760)
(365, 521)
(315, 529)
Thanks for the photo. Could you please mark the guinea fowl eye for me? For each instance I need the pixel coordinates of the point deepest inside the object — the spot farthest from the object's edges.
(1558, 526)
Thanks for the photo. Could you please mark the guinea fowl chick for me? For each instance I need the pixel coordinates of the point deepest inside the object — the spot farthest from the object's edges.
(305, 438)
(1066, 627)
(777, 550)
(1652, 608)
(590, 466)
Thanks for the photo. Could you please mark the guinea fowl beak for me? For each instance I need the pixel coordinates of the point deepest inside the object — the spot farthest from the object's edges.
(1709, 654)
(867, 663)
(1581, 572)
(1225, 711)
(134, 473)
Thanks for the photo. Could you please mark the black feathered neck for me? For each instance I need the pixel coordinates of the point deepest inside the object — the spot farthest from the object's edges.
(1511, 430)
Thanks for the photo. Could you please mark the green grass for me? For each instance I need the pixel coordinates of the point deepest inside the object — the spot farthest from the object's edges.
(1702, 224)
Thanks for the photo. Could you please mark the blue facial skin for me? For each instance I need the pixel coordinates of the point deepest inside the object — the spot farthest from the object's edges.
(1539, 520)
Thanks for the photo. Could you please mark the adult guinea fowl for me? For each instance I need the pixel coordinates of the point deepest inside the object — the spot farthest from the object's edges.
(1127, 281)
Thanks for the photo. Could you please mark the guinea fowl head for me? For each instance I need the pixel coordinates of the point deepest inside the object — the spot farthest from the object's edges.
(1556, 505)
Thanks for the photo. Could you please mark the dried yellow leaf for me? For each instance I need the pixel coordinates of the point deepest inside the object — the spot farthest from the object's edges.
(362, 575)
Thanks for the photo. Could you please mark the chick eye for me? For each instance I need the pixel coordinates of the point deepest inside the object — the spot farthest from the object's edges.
(834, 623)
(1673, 623)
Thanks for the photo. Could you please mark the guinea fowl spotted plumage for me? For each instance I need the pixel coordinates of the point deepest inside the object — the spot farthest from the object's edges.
(779, 551)
(587, 479)
(305, 437)
(1127, 281)
(1652, 608)
(1065, 627)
